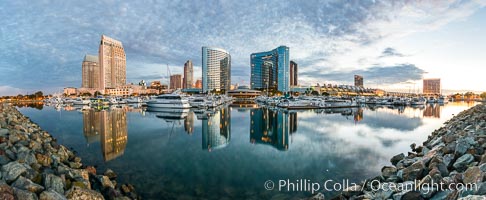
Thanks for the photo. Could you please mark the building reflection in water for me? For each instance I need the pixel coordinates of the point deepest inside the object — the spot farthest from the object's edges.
(358, 115)
(432, 110)
(189, 123)
(108, 127)
(216, 130)
(272, 127)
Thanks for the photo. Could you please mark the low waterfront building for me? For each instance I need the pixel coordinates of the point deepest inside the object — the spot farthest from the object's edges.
(68, 91)
(298, 89)
(88, 91)
(120, 91)
(243, 94)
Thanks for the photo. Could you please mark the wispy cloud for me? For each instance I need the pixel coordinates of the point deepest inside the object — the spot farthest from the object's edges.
(391, 52)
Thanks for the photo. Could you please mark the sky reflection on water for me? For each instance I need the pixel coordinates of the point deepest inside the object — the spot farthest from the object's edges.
(232, 152)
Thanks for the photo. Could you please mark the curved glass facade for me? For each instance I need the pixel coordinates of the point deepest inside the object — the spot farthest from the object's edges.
(271, 70)
(216, 69)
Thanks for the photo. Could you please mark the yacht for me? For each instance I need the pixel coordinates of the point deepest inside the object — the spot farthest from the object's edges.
(442, 100)
(134, 100)
(169, 113)
(338, 103)
(168, 101)
(80, 101)
(210, 103)
(261, 99)
(431, 100)
(56, 100)
(197, 102)
(418, 101)
(372, 100)
(116, 100)
(361, 100)
(100, 100)
(298, 104)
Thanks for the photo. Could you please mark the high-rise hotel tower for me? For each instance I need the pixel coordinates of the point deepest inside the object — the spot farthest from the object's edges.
(112, 61)
(270, 70)
(91, 72)
(187, 81)
(216, 69)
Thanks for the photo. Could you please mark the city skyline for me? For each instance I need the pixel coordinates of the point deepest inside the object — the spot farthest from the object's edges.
(393, 45)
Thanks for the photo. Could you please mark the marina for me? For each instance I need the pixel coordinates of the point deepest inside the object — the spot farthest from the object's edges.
(253, 100)
(174, 152)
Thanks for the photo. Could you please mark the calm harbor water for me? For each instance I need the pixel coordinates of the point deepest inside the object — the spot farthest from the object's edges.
(234, 151)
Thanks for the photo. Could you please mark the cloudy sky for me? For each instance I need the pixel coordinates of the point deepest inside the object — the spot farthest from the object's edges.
(393, 44)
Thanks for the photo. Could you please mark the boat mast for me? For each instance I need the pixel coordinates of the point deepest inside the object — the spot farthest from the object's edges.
(168, 77)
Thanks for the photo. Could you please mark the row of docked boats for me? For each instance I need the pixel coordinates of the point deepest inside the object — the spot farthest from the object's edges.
(318, 102)
(175, 106)
(173, 100)
(97, 100)
(179, 101)
(304, 102)
(403, 101)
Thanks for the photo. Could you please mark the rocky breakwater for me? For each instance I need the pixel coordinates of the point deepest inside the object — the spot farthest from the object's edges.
(451, 164)
(34, 166)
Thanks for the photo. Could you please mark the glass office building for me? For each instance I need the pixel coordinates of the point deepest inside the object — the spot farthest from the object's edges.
(271, 70)
(216, 69)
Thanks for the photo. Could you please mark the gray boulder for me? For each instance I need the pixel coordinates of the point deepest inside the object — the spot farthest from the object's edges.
(26, 184)
(54, 182)
(472, 197)
(395, 159)
(3, 132)
(51, 195)
(24, 194)
(13, 170)
(413, 172)
(462, 162)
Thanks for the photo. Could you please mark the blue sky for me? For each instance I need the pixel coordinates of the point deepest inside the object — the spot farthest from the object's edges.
(392, 43)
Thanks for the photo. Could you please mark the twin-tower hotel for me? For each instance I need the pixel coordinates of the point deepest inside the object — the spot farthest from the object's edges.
(106, 72)
(270, 70)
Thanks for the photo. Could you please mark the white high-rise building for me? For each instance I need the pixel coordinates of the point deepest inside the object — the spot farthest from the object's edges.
(216, 69)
